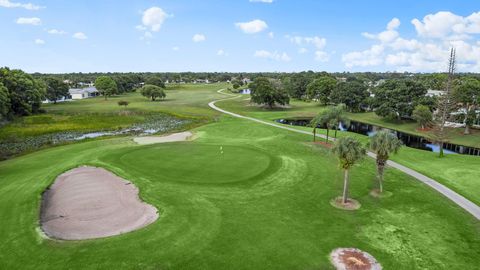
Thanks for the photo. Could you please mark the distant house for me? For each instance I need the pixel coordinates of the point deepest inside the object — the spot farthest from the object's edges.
(81, 93)
(201, 81)
(434, 93)
(246, 81)
(62, 99)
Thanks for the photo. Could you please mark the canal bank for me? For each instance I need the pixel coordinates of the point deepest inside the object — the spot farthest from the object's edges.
(409, 140)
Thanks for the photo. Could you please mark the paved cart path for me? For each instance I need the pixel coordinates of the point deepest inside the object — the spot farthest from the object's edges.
(452, 195)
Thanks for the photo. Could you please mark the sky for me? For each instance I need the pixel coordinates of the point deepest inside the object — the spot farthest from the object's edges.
(59, 36)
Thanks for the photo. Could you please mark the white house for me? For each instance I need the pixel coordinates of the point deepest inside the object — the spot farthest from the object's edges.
(434, 93)
(81, 93)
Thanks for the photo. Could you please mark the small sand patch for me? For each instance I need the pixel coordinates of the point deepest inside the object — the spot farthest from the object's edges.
(353, 259)
(89, 202)
(175, 137)
(351, 204)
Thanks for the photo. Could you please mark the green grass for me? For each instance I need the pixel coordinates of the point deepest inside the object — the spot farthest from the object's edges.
(267, 207)
(309, 109)
(455, 135)
(458, 172)
(261, 204)
(94, 114)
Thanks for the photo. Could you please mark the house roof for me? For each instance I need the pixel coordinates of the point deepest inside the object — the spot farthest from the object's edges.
(82, 90)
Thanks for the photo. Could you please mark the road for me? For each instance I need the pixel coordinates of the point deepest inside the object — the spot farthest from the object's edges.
(461, 201)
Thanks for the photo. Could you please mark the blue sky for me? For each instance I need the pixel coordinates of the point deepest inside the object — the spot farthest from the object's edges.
(238, 35)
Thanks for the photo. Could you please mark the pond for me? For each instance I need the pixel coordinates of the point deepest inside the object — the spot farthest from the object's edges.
(409, 140)
(153, 124)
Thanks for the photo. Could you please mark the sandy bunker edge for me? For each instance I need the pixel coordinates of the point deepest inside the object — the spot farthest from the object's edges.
(175, 137)
(89, 203)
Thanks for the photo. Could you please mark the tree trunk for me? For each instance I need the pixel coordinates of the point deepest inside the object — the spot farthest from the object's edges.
(326, 139)
(335, 132)
(314, 133)
(467, 129)
(441, 150)
(380, 171)
(345, 187)
(105, 96)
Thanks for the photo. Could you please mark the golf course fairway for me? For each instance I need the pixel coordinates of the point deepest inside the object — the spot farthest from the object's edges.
(262, 204)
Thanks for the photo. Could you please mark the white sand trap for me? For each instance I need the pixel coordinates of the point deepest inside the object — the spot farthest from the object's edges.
(176, 137)
(88, 202)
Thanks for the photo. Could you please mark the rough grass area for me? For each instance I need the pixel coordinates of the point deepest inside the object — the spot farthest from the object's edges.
(275, 216)
(63, 120)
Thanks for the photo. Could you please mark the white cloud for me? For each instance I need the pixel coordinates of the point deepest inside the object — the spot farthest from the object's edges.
(221, 52)
(322, 56)
(79, 35)
(437, 33)
(316, 41)
(302, 50)
(252, 27)
(147, 35)
(388, 35)
(141, 28)
(56, 32)
(393, 24)
(370, 57)
(438, 25)
(272, 55)
(318, 44)
(198, 38)
(262, 1)
(176, 48)
(271, 35)
(39, 41)
(29, 6)
(153, 18)
(30, 21)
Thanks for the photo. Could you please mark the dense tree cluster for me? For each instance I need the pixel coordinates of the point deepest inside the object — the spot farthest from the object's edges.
(153, 92)
(106, 86)
(268, 92)
(20, 93)
(396, 99)
(56, 89)
(389, 94)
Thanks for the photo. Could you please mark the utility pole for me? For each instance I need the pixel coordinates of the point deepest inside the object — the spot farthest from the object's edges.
(447, 98)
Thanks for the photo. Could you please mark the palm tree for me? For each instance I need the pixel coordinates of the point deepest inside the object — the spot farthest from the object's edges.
(337, 116)
(322, 119)
(383, 143)
(348, 151)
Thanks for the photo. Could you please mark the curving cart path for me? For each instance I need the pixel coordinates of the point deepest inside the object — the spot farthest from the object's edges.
(452, 195)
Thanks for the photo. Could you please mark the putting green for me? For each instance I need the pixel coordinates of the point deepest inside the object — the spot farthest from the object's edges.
(194, 163)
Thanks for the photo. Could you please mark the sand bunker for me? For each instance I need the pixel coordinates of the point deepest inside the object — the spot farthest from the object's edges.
(176, 137)
(88, 202)
(353, 259)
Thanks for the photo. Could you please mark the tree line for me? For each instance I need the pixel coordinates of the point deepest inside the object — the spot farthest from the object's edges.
(397, 98)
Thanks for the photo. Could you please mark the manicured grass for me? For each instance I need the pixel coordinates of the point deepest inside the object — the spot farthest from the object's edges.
(459, 172)
(309, 109)
(207, 163)
(274, 215)
(455, 135)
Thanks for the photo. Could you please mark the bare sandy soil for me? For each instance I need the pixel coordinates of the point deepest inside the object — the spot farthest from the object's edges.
(176, 137)
(353, 259)
(89, 202)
